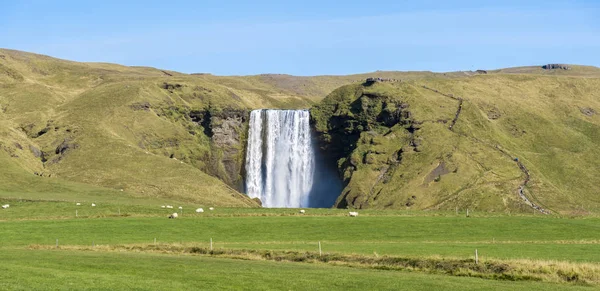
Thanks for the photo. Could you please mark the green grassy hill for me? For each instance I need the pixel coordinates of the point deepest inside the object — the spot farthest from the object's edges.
(71, 129)
(114, 128)
(471, 142)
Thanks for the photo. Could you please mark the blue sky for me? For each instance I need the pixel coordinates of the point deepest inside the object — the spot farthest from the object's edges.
(307, 37)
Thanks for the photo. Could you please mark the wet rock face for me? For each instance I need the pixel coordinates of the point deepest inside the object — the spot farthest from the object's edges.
(227, 135)
(227, 131)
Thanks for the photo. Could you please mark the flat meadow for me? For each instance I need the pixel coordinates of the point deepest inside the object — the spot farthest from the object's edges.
(135, 246)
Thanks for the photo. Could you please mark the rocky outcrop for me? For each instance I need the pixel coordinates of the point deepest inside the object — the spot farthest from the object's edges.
(587, 111)
(370, 81)
(556, 67)
(65, 146)
(170, 87)
(62, 149)
(227, 129)
(349, 125)
(145, 106)
(36, 152)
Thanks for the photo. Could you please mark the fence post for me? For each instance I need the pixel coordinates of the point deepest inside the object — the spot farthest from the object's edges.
(320, 253)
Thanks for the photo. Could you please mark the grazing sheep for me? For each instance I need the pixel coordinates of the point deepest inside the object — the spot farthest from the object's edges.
(5, 206)
(163, 206)
(353, 213)
(180, 207)
(199, 210)
(302, 211)
(169, 206)
(174, 215)
(93, 204)
(211, 209)
(78, 204)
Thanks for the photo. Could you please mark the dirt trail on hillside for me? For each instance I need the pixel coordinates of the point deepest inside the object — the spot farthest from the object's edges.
(522, 168)
(451, 96)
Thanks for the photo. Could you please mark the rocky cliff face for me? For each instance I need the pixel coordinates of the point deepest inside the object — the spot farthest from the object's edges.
(227, 130)
(354, 127)
(401, 145)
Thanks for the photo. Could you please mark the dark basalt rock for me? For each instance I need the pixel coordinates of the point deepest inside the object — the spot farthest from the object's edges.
(170, 87)
(65, 146)
(556, 67)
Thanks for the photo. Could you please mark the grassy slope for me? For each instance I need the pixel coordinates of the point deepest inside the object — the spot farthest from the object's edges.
(540, 123)
(117, 147)
(535, 118)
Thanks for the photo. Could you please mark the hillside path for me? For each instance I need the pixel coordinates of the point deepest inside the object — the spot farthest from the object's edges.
(522, 168)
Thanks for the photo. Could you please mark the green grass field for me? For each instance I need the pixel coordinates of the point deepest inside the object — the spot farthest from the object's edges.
(42, 270)
(30, 260)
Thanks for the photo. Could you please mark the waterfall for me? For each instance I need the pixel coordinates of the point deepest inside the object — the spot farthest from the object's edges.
(280, 160)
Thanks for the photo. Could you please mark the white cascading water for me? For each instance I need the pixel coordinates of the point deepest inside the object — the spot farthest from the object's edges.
(280, 161)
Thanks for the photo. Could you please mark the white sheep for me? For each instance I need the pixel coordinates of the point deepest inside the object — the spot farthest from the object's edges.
(180, 207)
(5, 206)
(93, 204)
(174, 215)
(78, 204)
(302, 211)
(199, 210)
(170, 206)
(162, 206)
(211, 209)
(353, 213)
